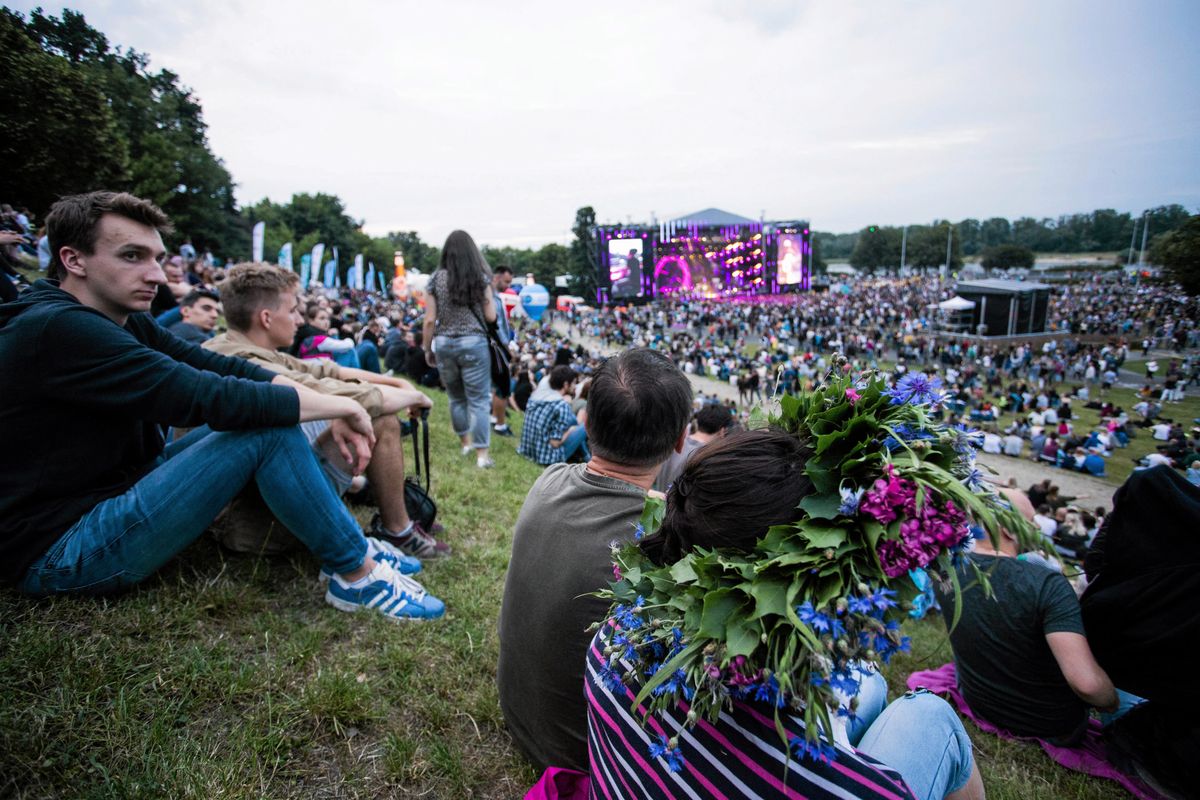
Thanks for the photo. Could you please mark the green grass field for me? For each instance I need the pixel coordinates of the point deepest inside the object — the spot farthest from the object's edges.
(228, 676)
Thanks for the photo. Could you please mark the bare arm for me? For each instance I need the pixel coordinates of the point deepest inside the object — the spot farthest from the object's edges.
(366, 376)
(489, 305)
(427, 329)
(1086, 678)
(411, 400)
(357, 443)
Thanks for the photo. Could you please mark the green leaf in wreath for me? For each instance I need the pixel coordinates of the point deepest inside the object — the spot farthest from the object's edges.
(742, 638)
(770, 597)
(682, 571)
(825, 479)
(719, 605)
(822, 534)
(822, 506)
(652, 514)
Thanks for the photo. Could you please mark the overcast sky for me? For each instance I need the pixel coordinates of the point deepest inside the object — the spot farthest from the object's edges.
(503, 118)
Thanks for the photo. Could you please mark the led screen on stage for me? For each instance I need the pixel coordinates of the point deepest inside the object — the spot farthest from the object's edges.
(790, 260)
(625, 268)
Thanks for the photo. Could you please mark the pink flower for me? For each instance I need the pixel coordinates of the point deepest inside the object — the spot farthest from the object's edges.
(852, 395)
(889, 496)
(616, 572)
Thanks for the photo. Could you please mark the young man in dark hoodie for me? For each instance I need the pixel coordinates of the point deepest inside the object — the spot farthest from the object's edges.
(90, 498)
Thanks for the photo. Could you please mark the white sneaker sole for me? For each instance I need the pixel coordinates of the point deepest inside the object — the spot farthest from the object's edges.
(354, 608)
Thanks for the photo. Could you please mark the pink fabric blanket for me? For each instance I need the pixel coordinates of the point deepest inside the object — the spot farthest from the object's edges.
(559, 783)
(1088, 757)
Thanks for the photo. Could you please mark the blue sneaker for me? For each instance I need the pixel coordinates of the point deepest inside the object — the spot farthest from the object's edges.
(388, 554)
(388, 592)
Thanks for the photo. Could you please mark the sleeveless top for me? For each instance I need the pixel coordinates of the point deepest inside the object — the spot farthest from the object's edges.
(454, 319)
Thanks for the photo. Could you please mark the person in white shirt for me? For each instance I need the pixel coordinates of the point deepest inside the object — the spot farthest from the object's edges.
(1044, 520)
(1155, 459)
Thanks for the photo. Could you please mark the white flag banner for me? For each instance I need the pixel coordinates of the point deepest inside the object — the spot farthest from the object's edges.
(260, 230)
(358, 272)
(370, 279)
(318, 261)
(285, 257)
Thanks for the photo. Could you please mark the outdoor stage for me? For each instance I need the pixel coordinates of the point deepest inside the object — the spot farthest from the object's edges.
(711, 254)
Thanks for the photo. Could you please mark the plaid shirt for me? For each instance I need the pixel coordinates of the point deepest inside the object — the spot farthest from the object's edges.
(545, 421)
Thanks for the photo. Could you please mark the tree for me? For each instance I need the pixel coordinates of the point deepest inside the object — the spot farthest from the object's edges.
(876, 247)
(834, 245)
(1165, 219)
(971, 231)
(927, 246)
(582, 262)
(1179, 255)
(88, 116)
(1007, 256)
(58, 135)
(550, 262)
(994, 231)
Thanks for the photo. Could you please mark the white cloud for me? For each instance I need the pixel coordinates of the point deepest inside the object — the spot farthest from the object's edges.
(504, 118)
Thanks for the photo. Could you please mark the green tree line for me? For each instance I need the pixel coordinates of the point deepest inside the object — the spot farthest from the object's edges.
(80, 114)
(1102, 230)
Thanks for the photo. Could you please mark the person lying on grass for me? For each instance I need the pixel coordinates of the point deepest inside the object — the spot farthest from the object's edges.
(91, 501)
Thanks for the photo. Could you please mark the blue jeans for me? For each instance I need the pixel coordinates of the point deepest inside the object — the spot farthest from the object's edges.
(467, 372)
(921, 737)
(347, 359)
(872, 699)
(368, 357)
(126, 538)
(576, 440)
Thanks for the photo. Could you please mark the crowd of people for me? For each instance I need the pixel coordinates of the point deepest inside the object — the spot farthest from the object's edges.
(130, 442)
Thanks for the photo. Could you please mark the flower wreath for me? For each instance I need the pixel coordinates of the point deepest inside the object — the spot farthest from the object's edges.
(783, 624)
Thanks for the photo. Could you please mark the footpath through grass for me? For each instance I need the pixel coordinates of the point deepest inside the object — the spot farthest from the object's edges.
(227, 676)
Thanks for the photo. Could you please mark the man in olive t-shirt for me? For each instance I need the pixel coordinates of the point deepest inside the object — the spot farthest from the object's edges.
(637, 414)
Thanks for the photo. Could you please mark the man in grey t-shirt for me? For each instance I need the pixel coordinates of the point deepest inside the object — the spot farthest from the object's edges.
(637, 414)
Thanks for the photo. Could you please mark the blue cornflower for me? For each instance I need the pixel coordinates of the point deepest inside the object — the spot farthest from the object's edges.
(850, 498)
(610, 679)
(813, 618)
(671, 685)
(908, 434)
(672, 755)
(916, 388)
(817, 679)
(844, 682)
(639, 532)
(627, 616)
(802, 748)
(965, 440)
(768, 692)
(860, 605)
(974, 480)
(881, 598)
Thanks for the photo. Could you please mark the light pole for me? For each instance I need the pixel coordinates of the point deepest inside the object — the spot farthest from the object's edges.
(1145, 230)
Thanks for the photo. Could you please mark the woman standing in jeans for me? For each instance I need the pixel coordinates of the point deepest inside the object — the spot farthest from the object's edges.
(458, 302)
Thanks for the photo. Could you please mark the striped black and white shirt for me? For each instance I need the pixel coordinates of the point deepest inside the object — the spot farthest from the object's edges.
(741, 756)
